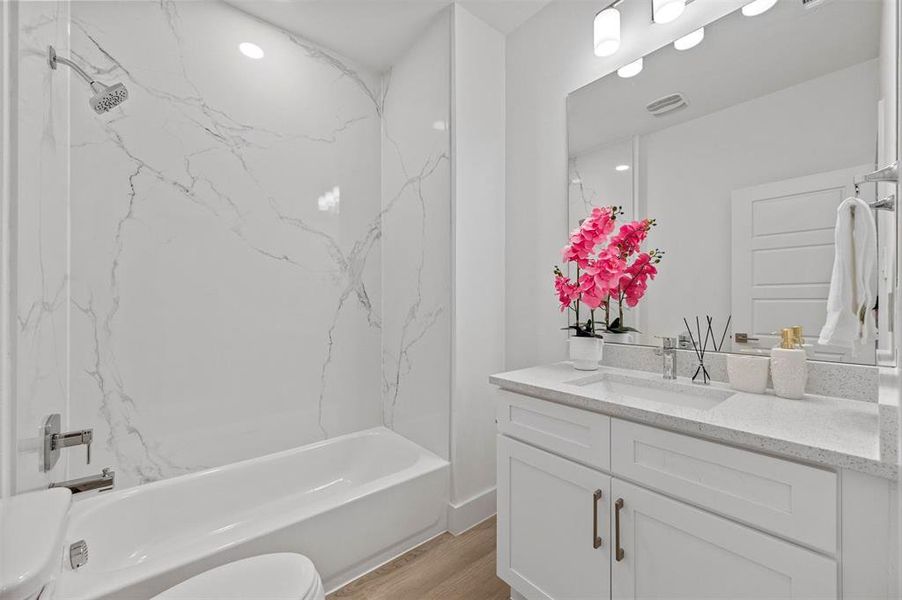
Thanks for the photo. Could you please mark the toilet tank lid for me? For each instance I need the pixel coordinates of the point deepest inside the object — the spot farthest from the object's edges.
(32, 530)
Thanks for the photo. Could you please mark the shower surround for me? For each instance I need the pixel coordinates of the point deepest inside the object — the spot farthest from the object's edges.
(236, 228)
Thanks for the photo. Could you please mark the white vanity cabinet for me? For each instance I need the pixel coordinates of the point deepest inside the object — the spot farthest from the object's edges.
(673, 550)
(675, 516)
(554, 534)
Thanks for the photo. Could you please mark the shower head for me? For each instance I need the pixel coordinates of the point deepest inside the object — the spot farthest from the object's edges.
(105, 96)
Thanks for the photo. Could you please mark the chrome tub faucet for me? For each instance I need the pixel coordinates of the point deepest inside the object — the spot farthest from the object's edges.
(102, 482)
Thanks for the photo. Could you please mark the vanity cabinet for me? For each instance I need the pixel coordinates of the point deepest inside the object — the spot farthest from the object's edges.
(553, 536)
(673, 550)
(593, 507)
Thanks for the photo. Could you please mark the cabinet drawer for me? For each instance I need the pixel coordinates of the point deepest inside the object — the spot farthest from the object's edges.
(578, 434)
(783, 497)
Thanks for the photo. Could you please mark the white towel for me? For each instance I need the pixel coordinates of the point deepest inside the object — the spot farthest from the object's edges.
(850, 318)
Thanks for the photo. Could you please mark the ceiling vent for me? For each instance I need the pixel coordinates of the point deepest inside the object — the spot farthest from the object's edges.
(667, 104)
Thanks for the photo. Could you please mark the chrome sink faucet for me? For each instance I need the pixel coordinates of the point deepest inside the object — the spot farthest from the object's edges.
(668, 354)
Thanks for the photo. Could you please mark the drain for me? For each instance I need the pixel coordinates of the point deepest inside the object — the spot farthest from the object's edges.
(78, 554)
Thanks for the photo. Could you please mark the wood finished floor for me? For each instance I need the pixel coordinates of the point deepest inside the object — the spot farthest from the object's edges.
(444, 568)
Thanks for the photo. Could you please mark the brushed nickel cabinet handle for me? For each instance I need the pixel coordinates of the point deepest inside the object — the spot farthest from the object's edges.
(596, 540)
(618, 551)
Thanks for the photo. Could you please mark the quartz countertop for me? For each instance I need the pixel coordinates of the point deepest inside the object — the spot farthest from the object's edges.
(833, 432)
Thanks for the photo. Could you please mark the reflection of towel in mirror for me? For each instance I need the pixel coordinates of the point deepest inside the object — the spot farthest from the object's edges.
(850, 320)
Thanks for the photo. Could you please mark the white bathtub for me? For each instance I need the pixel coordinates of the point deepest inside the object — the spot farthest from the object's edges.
(349, 503)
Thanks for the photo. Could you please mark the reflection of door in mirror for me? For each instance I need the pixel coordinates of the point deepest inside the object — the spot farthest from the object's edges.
(783, 250)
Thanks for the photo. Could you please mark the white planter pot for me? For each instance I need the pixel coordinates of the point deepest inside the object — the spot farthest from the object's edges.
(620, 338)
(586, 352)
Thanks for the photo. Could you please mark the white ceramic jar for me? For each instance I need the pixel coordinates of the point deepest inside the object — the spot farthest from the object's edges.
(748, 373)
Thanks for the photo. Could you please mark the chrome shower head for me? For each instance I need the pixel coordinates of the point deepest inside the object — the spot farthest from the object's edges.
(105, 96)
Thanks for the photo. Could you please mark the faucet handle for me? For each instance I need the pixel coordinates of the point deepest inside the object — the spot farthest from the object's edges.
(668, 342)
(87, 438)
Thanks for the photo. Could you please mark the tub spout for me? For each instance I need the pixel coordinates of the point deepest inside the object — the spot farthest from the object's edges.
(101, 482)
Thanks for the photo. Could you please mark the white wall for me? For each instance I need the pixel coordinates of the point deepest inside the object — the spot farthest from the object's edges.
(478, 270)
(689, 171)
(547, 58)
(8, 24)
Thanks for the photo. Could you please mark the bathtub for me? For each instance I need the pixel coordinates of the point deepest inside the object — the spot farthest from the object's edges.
(349, 503)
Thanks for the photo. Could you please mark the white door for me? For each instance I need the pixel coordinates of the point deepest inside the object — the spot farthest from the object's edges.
(673, 550)
(783, 257)
(553, 525)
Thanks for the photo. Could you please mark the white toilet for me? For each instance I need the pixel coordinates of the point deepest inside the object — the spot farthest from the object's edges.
(283, 576)
(33, 527)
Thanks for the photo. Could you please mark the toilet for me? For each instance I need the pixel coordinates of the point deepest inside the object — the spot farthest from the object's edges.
(32, 532)
(282, 576)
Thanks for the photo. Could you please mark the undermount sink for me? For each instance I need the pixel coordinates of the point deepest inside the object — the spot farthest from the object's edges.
(666, 392)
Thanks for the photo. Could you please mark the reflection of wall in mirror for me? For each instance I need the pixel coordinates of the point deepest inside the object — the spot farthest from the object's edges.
(688, 172)
(596, 181)
(597, 177)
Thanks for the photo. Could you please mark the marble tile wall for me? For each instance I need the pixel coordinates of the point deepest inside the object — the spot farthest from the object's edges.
(225, 253)
(246, 256)
(416, 244)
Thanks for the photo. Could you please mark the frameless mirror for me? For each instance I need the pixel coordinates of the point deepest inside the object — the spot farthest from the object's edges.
(741, 149)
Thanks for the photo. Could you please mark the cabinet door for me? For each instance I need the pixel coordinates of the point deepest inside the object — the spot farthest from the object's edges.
(550, 512)
(673, 550)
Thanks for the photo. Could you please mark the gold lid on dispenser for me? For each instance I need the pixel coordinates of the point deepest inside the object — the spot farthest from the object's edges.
(797, 334)
(788, 339)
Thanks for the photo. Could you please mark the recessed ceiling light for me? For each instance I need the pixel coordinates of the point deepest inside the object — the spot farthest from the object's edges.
(665, 11)
(251, 50)
(630, 70)
(691, 40)
(607, 32)
(757, 7)
(622, 168)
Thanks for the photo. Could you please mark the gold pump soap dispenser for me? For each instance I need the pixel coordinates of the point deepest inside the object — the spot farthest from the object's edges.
(789, 365)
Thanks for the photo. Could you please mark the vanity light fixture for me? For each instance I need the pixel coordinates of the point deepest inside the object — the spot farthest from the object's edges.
(630, 70)
(757, 7)
(665, 11)
(251, 50)
(622, 168)
(690, 40)
(607, 32)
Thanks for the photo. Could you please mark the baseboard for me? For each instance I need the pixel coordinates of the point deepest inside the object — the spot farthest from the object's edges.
(469, 513)
(357, 571)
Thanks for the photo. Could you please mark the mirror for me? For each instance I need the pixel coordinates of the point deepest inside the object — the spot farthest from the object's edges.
(741, 149)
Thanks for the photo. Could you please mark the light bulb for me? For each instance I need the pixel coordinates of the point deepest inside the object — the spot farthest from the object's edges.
(757, 7)
(665, 11)
(607, 32)
(691, 40)
(251, 50)
(630, 70)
